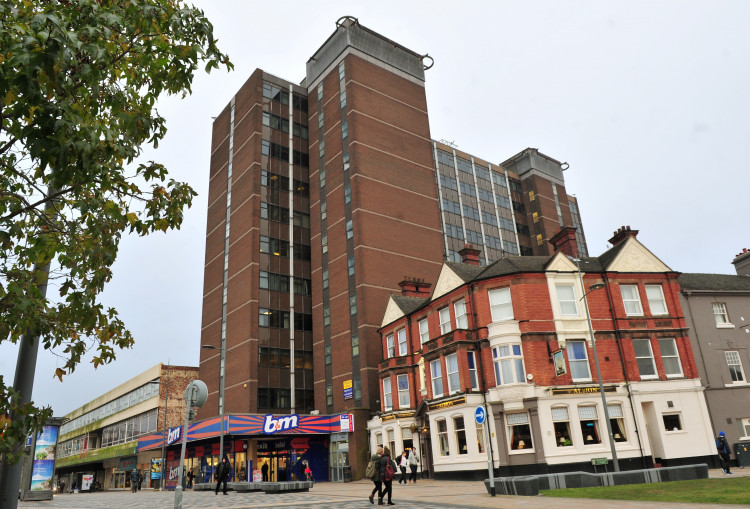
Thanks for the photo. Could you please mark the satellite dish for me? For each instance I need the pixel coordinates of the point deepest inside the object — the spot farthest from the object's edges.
(196, 393)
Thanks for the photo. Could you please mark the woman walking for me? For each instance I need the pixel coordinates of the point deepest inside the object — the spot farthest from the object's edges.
(387, 473)
(375, 477)
(403, 462)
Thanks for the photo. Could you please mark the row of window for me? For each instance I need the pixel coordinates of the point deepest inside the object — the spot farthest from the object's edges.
(278, 247)
(281, 214)
(279, 319)
(282, 124)
(273, 398)
(282, 96)
(280, 283)
(464, 165)
(281, 183)
(280, 358)
(124, 431)
(281, 152)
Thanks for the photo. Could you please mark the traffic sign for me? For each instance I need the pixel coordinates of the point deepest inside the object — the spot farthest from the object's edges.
(480, 415)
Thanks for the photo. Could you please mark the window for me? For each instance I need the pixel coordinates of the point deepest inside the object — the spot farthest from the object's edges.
(656, 303)
(672, 422)
(357, 387)
(535, 217)
(404, 400)
(460, 309)
(644, 356)
(273, 318)
(402, 342)
(566, 297)
(322, 154)
(720, 314)
(519, 432)
(501, 306)
(387, 400)
(323, 210)
(445, 320)
(631, 299)
(424, 331)
(344, 129)
(391, 441)
(343, 99)
(324, 243)
(355, 346)
(616, 422)
(390, 345)
(561, 423)
(578, 361)
(437, 378)
(350, 265)
(508, 360)
(480, 437)
(471, 361)
(735, 366)
(454, 382)
(460, 430)
(589, 425)
(346, 161)
(347, 194)
(326, 316)
(443, 437)
(325, 279)
(320, 92)
(353, 305)
(341, 71)
(670, 357)
(349, 229)
(320, 119)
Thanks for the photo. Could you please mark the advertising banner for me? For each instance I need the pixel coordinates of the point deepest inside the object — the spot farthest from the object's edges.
(43, 464)
(156, 468)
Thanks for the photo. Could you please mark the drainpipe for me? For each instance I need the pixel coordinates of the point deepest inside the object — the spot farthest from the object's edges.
(618, 340)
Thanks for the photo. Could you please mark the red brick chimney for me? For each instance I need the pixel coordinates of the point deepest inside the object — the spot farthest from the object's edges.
(413, 287)
(469, 255)
(565, 241)
(622, 234)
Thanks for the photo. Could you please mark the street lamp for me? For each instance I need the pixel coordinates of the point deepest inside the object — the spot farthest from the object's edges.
(594, 287)
(222, 365)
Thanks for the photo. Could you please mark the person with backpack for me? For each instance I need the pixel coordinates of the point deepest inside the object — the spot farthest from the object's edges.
(372, 472)
(387, 473)
(723, 447)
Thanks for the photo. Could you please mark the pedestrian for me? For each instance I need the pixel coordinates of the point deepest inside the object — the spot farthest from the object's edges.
(387, 473)
(372, 472)
(133, 480)
(140, 480)
(222, 473)
(723, 447)
(403, 462)
(308, 473)
(264, 470)
(61, 486)
(413, 461)
(190, 477)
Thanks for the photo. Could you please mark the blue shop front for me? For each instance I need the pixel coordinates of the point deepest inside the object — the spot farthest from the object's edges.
(260, 448)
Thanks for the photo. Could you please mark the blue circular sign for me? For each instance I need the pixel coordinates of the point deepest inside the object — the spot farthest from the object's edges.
(480, 414)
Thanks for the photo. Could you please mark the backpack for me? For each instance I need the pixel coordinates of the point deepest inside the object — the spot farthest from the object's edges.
(390, 472)
(371, 470)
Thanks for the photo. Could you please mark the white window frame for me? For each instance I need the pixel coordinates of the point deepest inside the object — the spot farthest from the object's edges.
(567, 303)
(445, 320)
(631, 299)
(390, 346)
(644, 358)
(656, 302)
(512, 421)
(582, 417)
(471, 358)
(404, 395)
(558, 418)
(508, 360)
(462, 320)
(454, 379)
(674, 354)
(745, 428)
(583, 361)
(733, 359)
(424, 331)
(387, 395)
(436, 378)
(617, 422)
(402, 348)
(443, 442)
(459, 419)
(501, 304)
(721, 315)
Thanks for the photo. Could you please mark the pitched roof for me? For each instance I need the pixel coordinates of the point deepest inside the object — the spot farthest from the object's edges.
(714, 282)
(609, 255)
(465, 271)
(513, 265)
(409, 304)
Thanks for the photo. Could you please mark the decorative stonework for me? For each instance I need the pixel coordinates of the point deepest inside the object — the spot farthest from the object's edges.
(447, 281)
(392, 313)
(561, 263)
(634, 257)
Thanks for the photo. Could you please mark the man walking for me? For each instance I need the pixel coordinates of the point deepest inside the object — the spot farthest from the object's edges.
(222, 473)
(133, 480)
(723, 447)
(413, 460)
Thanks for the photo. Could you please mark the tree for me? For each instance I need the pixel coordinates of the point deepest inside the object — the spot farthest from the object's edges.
(79, 81)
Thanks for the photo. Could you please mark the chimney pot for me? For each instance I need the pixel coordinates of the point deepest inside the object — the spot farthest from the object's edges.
(565, 241)
(469, 255)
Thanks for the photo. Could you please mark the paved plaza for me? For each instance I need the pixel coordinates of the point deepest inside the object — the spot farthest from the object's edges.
(425, 494)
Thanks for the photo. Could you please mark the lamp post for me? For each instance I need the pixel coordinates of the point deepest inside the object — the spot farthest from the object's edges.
(592, 288)
(222, 366)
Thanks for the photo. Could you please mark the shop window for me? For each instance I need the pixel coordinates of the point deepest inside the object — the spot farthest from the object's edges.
(442, 428)
(589, 425)
(672, 422)
(616, 423)
(561, 423)
(519, 431)
(460, 430)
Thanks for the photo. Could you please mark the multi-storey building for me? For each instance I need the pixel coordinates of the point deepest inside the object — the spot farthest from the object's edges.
(322, 196)
(514, 337)
(100, 438)
(717, 311)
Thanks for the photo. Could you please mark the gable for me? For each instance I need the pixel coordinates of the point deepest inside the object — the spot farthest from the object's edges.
(635, 257)
(392, 312)
(447, 281)
(561, 263)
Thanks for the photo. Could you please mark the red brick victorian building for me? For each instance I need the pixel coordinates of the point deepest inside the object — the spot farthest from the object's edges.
(514, 337)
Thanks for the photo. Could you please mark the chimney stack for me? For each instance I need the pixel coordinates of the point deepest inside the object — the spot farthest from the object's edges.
(565, 241)
(622, 234)
(469, 255)
(413, 287)
(742, 263)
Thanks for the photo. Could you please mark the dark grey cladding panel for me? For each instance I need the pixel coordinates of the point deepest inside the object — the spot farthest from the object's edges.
(368, 42)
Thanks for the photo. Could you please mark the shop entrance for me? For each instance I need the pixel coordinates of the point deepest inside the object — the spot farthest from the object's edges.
(274, 466)
(119, 479)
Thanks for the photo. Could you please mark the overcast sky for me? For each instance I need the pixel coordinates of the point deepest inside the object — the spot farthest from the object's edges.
(647, 101)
